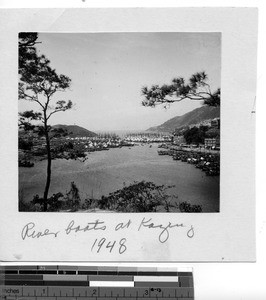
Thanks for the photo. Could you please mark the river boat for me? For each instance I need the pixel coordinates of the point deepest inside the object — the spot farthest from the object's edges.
(163, 152)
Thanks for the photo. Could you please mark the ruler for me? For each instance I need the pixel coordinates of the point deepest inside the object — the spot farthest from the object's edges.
(97, 283)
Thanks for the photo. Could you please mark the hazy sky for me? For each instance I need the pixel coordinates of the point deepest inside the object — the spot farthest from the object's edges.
(109, 69)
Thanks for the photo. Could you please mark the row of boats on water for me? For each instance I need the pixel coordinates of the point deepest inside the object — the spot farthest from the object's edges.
(208, 163)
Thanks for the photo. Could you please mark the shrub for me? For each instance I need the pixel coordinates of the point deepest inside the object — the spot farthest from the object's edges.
(137, 197)
(189, 208)
(71, 201)
(54, 203)
(26, 206)
(72, 197)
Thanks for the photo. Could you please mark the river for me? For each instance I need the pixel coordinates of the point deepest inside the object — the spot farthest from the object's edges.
(107, 171)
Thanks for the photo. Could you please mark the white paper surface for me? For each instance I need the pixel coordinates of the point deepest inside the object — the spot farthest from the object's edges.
(225, 236)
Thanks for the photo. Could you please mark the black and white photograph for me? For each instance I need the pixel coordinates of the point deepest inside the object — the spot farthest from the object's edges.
(131, 128)
(123, 122)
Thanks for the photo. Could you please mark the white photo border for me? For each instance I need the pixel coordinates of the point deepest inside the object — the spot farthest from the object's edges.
(225, 236)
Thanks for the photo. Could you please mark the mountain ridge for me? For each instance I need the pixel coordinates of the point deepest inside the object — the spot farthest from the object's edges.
(75, 130)
(193, 117)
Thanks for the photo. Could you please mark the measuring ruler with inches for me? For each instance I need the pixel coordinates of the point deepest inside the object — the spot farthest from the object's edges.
(97, 283)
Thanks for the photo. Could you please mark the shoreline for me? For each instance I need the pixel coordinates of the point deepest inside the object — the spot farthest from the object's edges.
(107, 171)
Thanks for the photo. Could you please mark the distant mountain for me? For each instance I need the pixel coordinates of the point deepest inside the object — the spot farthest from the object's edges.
(76, 131)
(193, 117)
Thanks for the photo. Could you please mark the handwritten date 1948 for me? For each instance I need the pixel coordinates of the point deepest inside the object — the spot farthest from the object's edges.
(98, 245)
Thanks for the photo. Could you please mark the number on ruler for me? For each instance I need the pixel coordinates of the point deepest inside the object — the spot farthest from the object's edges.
(94, 291)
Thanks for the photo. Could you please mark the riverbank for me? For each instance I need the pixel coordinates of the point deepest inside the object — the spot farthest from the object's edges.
(107, 171)
(208, 162)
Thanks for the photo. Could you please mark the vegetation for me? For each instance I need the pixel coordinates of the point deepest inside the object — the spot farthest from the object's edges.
(75, 131)
(137, 197)
(25, 144)
(195, 116)
(70, 201)
(196, 135)
(188, 208)
(38, 83)
(213, 133)
(27, 51)
(197, 89)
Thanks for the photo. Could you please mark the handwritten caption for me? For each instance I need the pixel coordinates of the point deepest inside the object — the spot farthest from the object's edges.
(163, 232)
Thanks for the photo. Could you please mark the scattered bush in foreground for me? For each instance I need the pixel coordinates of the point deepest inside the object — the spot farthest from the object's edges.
(54, 203)
(57, 202)
(137, 197)
(189, 208)
(73, 197)
(26, 206)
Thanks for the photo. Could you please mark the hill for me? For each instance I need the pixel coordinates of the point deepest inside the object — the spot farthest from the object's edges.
(76, 131)
(193, 117)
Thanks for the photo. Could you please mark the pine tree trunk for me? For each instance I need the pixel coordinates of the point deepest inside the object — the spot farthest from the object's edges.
(49, 163)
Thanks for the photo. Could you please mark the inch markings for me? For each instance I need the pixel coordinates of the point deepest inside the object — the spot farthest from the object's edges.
(97, 283)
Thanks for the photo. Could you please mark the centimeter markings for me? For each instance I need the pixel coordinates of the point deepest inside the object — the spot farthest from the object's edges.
(93, 270)
(99, 293)
(88, 282)
(95, 298)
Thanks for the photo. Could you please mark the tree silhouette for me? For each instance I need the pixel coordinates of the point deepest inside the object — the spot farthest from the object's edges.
(27, 51)
(196, 89)
(38, 83)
